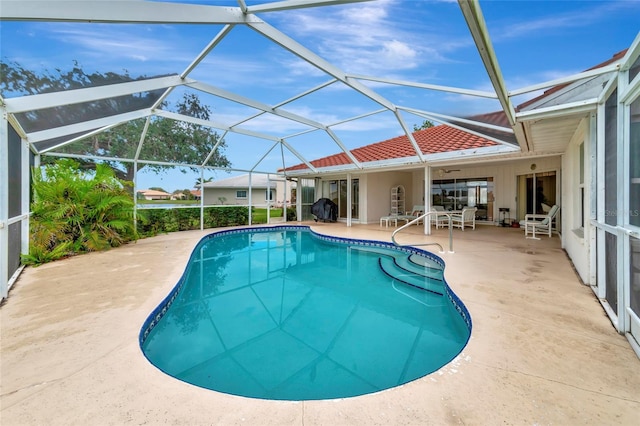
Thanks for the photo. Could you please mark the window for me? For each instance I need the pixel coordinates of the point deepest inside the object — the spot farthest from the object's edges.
(268, 194)
(454, 194)
(242, 193)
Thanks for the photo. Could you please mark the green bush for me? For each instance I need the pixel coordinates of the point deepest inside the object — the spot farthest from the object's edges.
(291, 214)
(156, 221)
(77, 211)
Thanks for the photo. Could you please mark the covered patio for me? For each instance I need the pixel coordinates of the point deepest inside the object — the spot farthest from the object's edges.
(542, 350)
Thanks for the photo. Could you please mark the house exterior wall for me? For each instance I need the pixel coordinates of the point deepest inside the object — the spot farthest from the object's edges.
(212, 195)
(378, 193)
(575, 211)
(504, 174)
(417, 189)
(375, 188)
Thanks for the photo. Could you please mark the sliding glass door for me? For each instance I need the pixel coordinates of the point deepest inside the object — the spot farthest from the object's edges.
(536, 193)
(455, 194)
(336, 191)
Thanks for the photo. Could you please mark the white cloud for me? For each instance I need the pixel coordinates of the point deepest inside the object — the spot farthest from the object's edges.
(586, 16)
(116, 43)
(373, 38)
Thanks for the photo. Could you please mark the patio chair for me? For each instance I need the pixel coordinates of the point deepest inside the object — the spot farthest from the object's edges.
(466, 218)
(414, 213)
(540, 223)
(441, 218)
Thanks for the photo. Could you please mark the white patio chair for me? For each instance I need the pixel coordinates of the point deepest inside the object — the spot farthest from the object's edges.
(466, 218)
(540, 223)
(440, 219)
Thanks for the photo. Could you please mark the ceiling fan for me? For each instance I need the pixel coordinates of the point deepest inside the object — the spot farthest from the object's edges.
(442, 172)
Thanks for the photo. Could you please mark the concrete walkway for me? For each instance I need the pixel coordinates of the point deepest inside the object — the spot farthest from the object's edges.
(542, 350)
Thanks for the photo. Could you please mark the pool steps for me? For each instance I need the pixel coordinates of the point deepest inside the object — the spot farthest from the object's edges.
(413, 270)
(413, 279)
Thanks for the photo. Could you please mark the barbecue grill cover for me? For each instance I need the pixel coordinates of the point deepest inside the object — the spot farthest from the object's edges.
(325, 209)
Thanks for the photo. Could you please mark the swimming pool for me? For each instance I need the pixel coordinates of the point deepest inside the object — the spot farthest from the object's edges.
(286, 313)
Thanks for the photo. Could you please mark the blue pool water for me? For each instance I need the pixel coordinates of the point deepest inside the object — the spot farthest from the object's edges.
(284, 313)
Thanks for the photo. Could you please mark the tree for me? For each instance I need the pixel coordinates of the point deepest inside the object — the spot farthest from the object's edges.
(166, 140)
(157, 188)
(200, 181)
(425, 125)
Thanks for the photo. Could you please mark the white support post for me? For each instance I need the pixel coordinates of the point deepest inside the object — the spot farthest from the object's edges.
(135, 195)
(600, 213)
(427, 199)
(268, 197)
(593, 198)
(349, 201)
(284, 202)
(25, 197)
(298, 200)
(4, 204)
(201, 198)
(249, 197)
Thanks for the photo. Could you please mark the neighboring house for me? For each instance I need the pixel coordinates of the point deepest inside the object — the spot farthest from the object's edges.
(235, 190)
(196, 194)
(578, 146)
(151, 194)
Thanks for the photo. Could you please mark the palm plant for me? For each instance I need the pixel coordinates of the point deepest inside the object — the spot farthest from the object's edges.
(76, 211)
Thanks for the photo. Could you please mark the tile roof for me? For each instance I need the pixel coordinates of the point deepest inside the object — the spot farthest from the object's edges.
(435, 139)
(153, 192)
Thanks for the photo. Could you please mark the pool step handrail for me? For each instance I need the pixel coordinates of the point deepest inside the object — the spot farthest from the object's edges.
(423, 217)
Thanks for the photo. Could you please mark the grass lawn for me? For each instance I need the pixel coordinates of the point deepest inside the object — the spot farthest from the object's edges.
(260, 215)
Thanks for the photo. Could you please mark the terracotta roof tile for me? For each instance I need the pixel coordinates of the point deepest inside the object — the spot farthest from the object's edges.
(432, 140)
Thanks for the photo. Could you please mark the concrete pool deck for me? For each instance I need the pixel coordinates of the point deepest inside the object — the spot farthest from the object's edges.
(542, 350)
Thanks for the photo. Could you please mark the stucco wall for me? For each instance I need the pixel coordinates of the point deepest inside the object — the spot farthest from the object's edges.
(378, 190)
(211, 196)
(576, 240)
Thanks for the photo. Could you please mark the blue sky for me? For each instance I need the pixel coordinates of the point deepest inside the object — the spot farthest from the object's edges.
(420, 41)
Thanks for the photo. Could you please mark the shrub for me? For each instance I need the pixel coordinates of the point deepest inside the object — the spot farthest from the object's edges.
(155, 221)
(292, 216)
(76, 211)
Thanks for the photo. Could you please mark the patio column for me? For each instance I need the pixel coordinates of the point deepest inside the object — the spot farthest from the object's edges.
(4, 205)
(298, 199)
(268, 197)
(201, 198)
(25, 188)
(427, 199)
(349, 203)
(250, 218)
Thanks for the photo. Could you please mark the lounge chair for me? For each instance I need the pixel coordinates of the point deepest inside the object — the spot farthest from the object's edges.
(466, 218)
(540, 223)
(414, 213)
